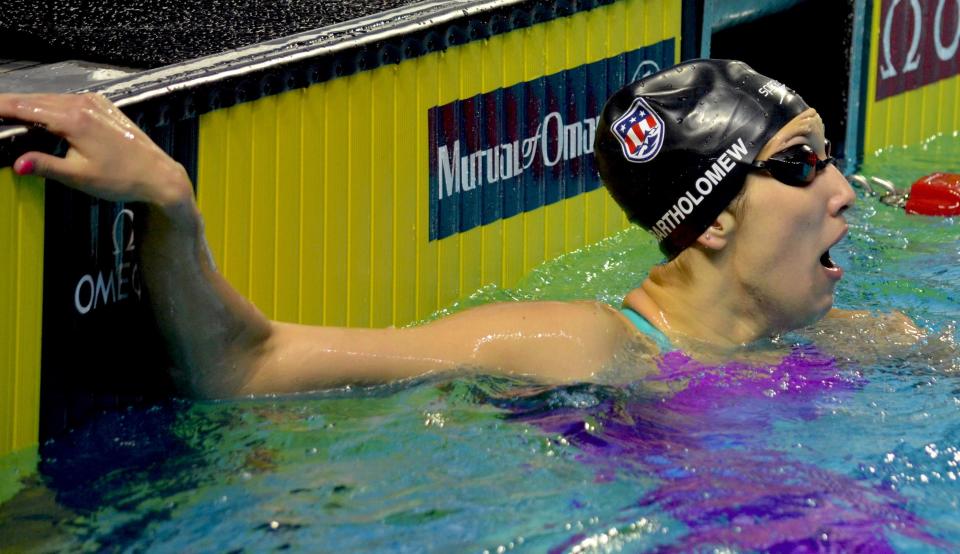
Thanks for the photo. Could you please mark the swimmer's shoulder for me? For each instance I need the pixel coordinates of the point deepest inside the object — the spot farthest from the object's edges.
(607, 329)
(554, 341)
(604, 335)
(595, 323)
(631, 329)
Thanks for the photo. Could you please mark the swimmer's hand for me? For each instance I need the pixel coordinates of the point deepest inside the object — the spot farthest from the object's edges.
(213, 334)
(109, 156)
(895, 327)
(865, 337)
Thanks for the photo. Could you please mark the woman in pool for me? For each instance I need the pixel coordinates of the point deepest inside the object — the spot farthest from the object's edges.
(729, 169)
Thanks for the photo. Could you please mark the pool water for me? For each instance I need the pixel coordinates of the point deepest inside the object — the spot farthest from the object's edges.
(810, 452)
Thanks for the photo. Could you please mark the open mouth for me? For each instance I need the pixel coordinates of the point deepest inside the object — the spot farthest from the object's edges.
(833, 271)
(826, 261)
(830, 267)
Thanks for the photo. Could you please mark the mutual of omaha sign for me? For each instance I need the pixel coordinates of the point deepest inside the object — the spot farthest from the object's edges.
(515, 149)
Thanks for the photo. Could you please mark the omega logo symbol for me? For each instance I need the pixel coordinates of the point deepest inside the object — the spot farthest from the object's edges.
(647, 68)
(125, 214)
(116, 284)
(945, 52)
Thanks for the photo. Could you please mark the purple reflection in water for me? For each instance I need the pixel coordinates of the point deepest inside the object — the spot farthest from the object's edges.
(706, 444)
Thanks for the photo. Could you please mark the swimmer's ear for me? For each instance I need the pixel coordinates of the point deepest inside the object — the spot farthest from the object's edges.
(718, 234)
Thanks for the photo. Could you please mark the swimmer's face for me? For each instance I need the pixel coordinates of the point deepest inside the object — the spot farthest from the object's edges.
(785, 231)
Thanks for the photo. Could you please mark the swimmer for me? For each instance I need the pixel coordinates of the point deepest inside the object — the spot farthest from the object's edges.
(730, 170)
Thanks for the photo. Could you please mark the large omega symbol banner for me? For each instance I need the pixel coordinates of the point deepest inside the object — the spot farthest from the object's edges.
(918, 44)
(518, 148)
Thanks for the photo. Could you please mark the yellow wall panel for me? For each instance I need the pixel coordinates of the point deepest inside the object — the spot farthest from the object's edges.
(650, 26)
(954, 91)
(213, 174)
(238, 196)
(672, 19)
(315, 199)
(21, 303)
(947, 103)
(913, 116)
(289, 206)
(313, 273)
(336, 180)
(383, 199)
(913, 111)
(407, 234)
(617, 28)
(896, 117)
(427, 78)
(264, 187)
(359, 197)
(9, 373)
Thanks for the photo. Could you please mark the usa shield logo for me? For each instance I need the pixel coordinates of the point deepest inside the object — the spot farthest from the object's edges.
(640, 132)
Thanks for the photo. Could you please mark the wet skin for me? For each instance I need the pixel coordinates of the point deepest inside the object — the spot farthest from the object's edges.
(749, 276)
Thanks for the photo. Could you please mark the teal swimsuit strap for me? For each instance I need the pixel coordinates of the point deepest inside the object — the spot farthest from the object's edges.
(648, 329)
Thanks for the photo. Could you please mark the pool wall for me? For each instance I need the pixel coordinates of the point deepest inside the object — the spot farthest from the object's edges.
(342, 182)
(377, 198)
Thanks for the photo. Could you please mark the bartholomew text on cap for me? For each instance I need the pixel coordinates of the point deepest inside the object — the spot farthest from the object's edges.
(703, 187)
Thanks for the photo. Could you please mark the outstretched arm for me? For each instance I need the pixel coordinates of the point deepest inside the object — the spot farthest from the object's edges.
(223, 346)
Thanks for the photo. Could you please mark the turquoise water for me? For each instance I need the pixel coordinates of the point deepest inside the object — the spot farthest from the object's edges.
(813, 454)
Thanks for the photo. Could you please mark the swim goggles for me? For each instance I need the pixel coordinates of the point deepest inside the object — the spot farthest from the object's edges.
(796, 166)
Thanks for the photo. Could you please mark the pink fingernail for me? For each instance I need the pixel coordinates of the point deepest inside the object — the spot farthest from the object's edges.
(23, 167)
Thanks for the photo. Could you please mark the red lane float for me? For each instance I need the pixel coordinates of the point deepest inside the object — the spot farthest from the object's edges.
(935, 194)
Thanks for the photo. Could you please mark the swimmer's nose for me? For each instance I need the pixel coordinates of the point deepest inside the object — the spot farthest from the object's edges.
(843, 196)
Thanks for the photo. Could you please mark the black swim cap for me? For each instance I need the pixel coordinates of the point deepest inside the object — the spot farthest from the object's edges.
(666, 145)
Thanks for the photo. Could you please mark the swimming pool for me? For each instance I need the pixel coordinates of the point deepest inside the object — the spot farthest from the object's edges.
(808, 453)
